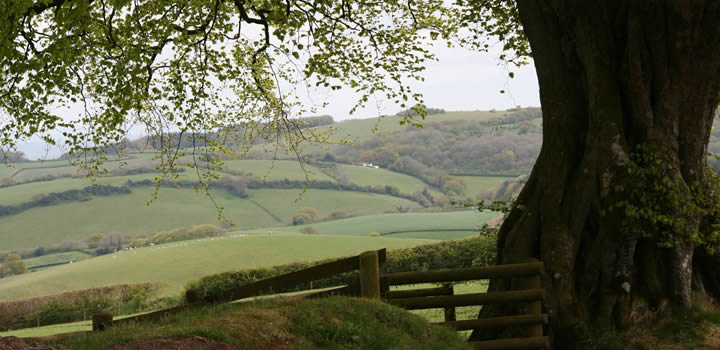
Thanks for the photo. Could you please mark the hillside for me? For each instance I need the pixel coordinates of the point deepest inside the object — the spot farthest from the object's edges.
(51, 213)
(438, 226)
(130, 213)
(265, 193)
(175, 264)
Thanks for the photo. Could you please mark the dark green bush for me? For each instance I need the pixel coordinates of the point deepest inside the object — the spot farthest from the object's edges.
(79, 305)
(187, 233)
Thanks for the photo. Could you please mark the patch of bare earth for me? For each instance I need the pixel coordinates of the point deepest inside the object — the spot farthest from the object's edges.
(651, 342)
(14, 343)
(712, 340)
(194, 343)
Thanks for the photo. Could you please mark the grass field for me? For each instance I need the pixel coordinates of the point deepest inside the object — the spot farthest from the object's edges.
(124, 213)
(380, 177)
(175, 264)
(284, 203)
(63, 167)
(406, 224)
(23, 193)
(277, 170)
(129, 213)
(361, 128)
(74, 256)
(437, 235)
(477, 184)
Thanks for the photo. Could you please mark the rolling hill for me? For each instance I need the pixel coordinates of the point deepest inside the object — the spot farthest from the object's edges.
(129, 213)
(175, 264)
(436, 226)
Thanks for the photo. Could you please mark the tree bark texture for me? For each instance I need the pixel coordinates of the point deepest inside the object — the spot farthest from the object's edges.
(613, 75)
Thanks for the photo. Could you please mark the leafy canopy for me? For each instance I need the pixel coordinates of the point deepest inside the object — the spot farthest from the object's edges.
(194, 66)
(191, 67)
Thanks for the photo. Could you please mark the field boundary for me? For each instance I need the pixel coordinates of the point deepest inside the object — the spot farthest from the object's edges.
(266, 287)
(272, 215)
(434, 230)
(526, 280)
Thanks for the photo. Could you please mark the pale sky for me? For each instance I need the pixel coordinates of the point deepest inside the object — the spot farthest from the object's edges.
(460, 80)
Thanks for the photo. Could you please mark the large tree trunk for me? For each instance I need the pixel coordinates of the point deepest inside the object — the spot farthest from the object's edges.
(613, 75)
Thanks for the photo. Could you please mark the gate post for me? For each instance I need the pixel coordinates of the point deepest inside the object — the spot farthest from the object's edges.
(534, 307)
(101, 321)
(369, 275)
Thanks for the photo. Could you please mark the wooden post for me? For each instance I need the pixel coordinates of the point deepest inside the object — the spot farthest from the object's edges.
(101, 321)
(195, 296)
(533, 307)
(369, 275)
(450, 311)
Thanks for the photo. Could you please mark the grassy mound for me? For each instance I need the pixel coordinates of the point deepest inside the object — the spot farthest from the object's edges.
(329, 323)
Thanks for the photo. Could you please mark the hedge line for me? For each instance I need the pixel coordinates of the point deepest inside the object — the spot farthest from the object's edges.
(85, 194)
(55, 198)
(77, 305)
(474, 251)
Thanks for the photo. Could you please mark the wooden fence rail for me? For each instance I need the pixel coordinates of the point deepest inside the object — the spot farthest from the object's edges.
(372, 284)
(259, 288)
(527, 275)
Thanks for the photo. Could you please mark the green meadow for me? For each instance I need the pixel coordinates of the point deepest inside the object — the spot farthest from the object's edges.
(130, 213)
(407, 225)
(284, 203)
(477, 184)
(175, 264)
(360, 129)
(276, 170)
(380, 177)
(55, 259)
(25, 192)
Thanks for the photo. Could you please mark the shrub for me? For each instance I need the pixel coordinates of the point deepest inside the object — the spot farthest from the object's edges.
(237, 187)
(309, 230)
(309, 122)
(56, 312)
(76, 305)
(39, 196)
(226, 223)
(188, 233)
(338, 214)
(112, 241)
(12, 265)
(93, 241)
(7, 181)
(305, 216)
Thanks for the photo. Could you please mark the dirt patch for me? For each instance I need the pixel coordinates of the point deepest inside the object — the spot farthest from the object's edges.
(712, 339)
(14, 343)
(194, 343)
